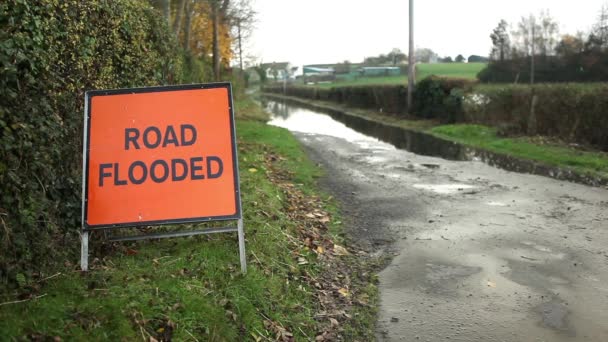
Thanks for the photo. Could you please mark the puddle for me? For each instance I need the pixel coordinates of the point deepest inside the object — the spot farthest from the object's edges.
(497, 204)
(306, 121)
(444, 189)
(554, 315)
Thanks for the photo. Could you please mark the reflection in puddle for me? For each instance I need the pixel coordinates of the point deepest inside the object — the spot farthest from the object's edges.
(444, 188)
(306, 121)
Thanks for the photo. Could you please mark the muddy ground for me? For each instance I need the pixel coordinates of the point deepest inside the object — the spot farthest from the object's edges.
(480, 254)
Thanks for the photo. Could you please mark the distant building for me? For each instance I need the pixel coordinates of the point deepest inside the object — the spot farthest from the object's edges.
(380, 71)
(278, 71)
(315, 74)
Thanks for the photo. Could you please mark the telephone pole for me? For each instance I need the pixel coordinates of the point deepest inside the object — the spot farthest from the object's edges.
(411, 61)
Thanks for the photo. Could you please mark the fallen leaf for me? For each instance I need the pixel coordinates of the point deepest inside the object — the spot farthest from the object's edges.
(344, 292)
(491, 284)
(253, 170)
(334, 322)
(324, 219)
(339, 250)
(320, 250)
(131, 251)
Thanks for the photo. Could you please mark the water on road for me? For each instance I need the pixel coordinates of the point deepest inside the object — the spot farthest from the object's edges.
(481, 254)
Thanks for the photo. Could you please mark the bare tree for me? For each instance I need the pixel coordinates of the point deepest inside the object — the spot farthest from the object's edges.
(177, 22)
(599, 33)
(500, 41)
(242, 18)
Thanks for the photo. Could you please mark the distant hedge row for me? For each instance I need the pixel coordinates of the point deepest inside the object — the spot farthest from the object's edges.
(50, 53)
(389, 98)
(574, 112)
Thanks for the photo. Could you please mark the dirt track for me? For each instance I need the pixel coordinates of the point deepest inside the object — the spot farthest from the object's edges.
(481, 254)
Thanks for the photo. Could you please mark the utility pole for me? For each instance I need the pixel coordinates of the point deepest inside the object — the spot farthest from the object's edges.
(411, 61)
(533, 52)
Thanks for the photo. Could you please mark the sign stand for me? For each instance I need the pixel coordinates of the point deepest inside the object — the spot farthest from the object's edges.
(84, 248)
(148, 152)
(84, 251)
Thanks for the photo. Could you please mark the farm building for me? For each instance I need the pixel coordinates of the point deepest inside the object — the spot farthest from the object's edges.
(278, 71)
(379, 71)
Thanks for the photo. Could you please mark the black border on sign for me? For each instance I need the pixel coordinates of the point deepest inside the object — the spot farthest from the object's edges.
(87, 132)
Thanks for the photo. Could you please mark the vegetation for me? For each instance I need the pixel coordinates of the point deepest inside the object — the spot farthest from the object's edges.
(538, 149)
(572, 112)
(192, 288)
(566, 121)
(534, 52)
(51, 53)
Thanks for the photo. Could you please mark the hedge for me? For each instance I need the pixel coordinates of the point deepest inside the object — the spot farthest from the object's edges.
(574, 112)
(51, 52)
(386, 98)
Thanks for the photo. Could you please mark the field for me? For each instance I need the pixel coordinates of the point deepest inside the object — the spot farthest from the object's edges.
(458, 70)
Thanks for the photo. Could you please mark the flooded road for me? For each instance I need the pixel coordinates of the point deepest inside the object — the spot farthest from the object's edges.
(481, 254)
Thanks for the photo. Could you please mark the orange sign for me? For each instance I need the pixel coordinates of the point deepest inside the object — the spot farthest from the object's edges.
(160, 155)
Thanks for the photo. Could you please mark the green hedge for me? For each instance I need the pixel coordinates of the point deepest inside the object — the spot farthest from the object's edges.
(441, 98)
(50, 53)
(573, 112)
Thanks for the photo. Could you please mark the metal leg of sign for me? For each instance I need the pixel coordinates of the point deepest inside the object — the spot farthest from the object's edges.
(84, 251)
(241, 233)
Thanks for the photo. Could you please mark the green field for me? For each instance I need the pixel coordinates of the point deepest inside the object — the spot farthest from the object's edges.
(457, 70)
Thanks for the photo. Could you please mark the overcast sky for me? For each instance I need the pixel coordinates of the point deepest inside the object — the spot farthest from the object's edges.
(329, 31)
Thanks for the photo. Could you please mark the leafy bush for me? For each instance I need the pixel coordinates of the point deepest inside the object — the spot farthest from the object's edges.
(437, 97)
(50, 53)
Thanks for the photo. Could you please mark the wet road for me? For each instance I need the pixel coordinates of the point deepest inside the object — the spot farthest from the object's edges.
(481, 254)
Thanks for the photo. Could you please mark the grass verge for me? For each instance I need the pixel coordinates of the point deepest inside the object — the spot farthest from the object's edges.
(192, 289)
(525, 147)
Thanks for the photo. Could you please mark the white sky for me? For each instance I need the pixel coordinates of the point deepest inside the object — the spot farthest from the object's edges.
(330, 31)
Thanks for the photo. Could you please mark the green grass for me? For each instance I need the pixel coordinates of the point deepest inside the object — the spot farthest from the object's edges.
(485, 137)
(456, 70)
(191, 284)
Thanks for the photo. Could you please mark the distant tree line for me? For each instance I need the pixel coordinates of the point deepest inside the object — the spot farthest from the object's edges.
(534, 51)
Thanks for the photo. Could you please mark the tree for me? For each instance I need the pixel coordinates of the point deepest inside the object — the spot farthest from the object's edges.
(500, 41)
(477, 59)
(396, 56)
(548, 34)
(570, 45)
(242, 18)
(599, 33)
(460, 59)
(447, 59)
(424, 55)
(536, 35)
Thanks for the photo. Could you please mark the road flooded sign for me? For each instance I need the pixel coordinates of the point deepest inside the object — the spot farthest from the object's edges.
(159, 155)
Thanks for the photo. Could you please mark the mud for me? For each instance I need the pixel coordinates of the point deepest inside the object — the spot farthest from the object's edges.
(480, 253)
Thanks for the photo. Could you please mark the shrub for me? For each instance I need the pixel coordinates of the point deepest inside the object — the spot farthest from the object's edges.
(440, 97)
(50, 53)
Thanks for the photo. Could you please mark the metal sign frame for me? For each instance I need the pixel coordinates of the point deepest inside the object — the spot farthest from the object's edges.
(86, 228)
